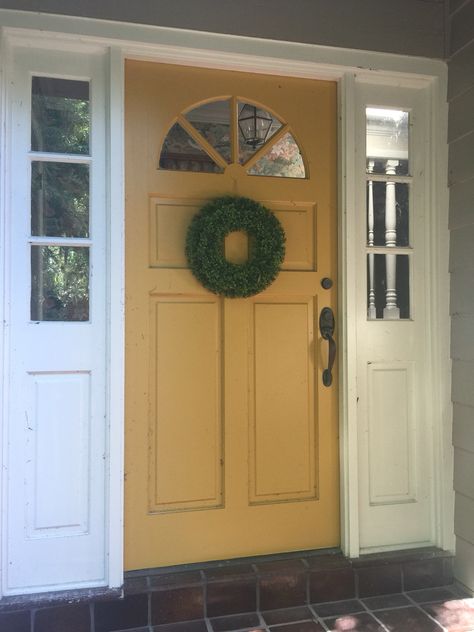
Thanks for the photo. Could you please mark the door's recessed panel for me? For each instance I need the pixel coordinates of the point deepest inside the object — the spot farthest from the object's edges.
(169, 221)
(391, 433)
(58, 438)
(185, 413)
(282, 455)
(299, 223)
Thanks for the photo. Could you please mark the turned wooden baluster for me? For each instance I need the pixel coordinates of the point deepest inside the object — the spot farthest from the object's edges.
(371, 312)
(391, 310)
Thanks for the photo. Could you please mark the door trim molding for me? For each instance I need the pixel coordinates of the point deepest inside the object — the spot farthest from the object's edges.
(120, 41)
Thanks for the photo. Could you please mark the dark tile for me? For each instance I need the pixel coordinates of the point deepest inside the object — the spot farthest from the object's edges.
(425, 574)
(282, 590)
(379, 580)
(135, 585)
(407, 619)
(229, 572)
(456, 615)
(235, 622)
(120, 614)
(231, 597)
(287, 615)
(15, 621)
(337, 608)
(175, 580)
(431, 594)
(73, 618)
(304, 626)
(281, 566)
(187, 626)
(362, 622)
(331, 585)
(383, 602)
(323, 562)
(177, 604)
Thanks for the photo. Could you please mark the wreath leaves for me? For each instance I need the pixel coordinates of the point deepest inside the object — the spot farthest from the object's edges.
(205, 246)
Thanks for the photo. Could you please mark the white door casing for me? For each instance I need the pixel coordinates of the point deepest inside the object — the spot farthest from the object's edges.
(111, 45)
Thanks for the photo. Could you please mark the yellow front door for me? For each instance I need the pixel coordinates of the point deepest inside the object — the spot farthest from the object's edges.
(231, 437)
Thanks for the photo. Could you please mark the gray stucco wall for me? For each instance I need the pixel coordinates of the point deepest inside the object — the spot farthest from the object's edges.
(461, 183)
(411, 27)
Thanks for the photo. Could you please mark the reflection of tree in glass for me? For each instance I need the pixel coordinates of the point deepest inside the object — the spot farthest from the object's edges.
(60, 199)
(218, 135)
(60, 283)
(284, 160)
(60, 124)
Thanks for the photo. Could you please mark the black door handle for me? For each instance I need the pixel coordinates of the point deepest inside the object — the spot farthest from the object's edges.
(327, 325)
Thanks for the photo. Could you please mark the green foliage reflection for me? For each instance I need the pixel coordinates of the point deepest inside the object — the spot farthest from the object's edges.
(60, 283)
(60, 199)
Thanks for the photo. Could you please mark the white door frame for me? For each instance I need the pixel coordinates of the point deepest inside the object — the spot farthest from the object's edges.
(121, 41)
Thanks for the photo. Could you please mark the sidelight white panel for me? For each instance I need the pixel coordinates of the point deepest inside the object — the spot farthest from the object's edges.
(58, 464)
(395, 393)
(391, 433)
(56, 439)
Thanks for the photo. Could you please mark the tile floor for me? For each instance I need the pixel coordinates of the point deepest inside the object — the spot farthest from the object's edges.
(427, 610)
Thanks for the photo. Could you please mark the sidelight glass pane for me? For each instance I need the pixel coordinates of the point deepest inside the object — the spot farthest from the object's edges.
(387, 141)
(180, 152)
(59, 283)
(385, 273)
(380, 224)
(212, 120)
(60, 116)
(59, 199)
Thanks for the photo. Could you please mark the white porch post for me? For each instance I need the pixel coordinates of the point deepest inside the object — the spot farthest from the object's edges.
(391, 310)
(371, 312)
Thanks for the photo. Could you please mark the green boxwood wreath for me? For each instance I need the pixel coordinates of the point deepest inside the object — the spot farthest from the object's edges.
(205, 246)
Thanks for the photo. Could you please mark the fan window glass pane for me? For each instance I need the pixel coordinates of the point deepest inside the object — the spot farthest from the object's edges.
(249, 144)
(212, 120)
(180, 152)
(283, 160)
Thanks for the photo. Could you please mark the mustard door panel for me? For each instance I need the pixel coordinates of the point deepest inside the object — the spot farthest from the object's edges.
(231, 438)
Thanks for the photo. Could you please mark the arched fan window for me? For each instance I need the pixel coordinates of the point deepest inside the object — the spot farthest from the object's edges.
(208, 137)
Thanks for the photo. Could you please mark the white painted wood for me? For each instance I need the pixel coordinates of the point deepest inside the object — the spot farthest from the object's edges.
(392, 433)
(56, 424)
(391, 310)
(371, 310)
(347, 331)
(395, 449)
(212, 50)
(115, 359)
(58, 454)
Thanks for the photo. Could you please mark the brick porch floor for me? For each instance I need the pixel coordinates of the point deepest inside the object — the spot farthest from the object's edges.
(410, 591)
